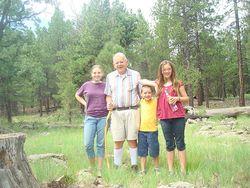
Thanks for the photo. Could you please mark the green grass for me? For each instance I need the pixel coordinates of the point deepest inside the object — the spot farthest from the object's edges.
(247, 96)
(212, 161)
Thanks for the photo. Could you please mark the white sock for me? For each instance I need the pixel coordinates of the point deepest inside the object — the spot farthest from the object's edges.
(118, 156)
(133, 155)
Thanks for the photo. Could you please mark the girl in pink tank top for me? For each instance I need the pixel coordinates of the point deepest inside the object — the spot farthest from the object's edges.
(170, 111)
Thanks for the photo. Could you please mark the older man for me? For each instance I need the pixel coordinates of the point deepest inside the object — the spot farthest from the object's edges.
(123, 99)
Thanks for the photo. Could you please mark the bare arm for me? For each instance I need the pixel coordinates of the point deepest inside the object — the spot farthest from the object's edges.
(80, 100)
(110, 104)
(149, 83)
(182, 98)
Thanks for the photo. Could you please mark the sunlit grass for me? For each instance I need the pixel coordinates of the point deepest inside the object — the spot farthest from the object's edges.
(212, 161)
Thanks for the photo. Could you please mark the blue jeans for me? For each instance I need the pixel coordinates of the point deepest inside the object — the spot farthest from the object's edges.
(173, 131)
(94, 127)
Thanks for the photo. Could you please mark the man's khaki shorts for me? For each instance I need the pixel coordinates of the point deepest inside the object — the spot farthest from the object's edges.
(125, 124)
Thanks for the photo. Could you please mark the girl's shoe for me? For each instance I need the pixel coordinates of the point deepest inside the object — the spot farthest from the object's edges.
(171, 173)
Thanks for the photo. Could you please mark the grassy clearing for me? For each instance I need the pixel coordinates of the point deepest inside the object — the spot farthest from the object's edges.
(212, 161)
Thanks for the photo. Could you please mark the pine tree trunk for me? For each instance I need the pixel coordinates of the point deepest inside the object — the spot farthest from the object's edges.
(48, 93)
(23, 109)
(200, 96)
(41, 107)
(70, 117)
(239, 57)
(206, 93)
(40, 102)
(8, 111)
(15, 171)
(222, 89)
(47, 104)
(190, 94)
(186, 52)
(2, 110)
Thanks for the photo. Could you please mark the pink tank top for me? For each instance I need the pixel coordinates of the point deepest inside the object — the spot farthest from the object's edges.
(164, 110)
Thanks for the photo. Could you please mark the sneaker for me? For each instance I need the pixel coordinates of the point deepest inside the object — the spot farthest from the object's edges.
(183, 173)
(99, 173)
(157, 171)
(171, 173)
(142, 173)
(134, 168)
(116, 166)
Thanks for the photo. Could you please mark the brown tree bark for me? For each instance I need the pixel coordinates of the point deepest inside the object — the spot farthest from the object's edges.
(200, 94)
(47, 95)
(186, 52)
(206, 93)
(8, 110)
(40, 102)
(239, 57)
(15, 171)
(4, 15)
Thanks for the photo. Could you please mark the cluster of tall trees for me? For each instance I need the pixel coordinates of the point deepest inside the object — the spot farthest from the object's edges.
(42, 68)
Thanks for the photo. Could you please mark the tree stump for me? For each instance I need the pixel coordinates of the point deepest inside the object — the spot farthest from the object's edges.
(15, 171)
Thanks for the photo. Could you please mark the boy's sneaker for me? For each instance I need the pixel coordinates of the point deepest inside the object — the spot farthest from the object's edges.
(157, 171)
(116, 166)
(99, 173)
(134, 168)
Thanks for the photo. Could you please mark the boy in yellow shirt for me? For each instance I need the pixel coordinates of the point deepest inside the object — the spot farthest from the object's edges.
(148, 131)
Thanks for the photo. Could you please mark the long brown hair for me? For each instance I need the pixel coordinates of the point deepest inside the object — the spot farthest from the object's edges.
(161, 80)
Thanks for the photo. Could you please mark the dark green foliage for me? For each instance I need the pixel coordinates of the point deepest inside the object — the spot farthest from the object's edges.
(43, 68)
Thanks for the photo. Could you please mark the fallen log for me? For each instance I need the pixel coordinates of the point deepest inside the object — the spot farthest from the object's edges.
(46, 156)
(58, 158)
(15, 171)
(229, 112)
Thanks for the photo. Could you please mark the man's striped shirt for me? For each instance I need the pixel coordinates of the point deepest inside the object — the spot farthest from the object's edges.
(123, 88)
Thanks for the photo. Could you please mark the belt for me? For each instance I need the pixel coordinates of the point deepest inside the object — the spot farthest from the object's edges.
(125, 108)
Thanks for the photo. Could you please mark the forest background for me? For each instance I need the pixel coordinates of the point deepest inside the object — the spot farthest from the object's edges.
(42, 68)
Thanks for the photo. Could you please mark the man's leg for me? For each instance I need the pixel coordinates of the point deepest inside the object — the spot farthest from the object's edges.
(132, 135)
(133, 152)
(118, 134)
(118, 151)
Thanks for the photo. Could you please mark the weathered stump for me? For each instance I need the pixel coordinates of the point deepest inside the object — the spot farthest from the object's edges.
(15, 171)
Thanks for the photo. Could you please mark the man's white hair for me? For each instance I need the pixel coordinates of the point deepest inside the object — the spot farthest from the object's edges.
(119, 54)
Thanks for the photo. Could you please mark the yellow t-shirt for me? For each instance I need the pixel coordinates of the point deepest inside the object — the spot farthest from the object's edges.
(148, 115)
